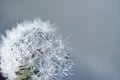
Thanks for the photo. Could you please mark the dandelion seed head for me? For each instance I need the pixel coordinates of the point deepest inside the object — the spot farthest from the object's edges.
(34, 45)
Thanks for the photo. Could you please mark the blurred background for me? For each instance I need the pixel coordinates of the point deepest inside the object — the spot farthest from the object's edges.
(93, 27)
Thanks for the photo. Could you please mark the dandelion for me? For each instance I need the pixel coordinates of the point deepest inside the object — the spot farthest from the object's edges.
(34, 51)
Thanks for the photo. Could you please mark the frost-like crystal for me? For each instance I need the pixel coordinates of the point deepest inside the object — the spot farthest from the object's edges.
(33, 51)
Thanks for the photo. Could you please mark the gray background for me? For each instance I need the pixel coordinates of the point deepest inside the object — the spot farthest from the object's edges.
(92, 25)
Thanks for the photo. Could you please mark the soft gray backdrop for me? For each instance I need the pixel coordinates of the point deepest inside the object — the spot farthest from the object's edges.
(92, 25)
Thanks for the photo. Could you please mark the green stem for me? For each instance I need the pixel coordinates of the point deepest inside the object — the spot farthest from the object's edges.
(24, 72)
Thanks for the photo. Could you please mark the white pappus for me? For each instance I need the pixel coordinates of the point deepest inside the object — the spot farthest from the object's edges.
(34, 51)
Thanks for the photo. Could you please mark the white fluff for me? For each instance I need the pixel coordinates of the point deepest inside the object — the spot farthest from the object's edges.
(37, 44)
